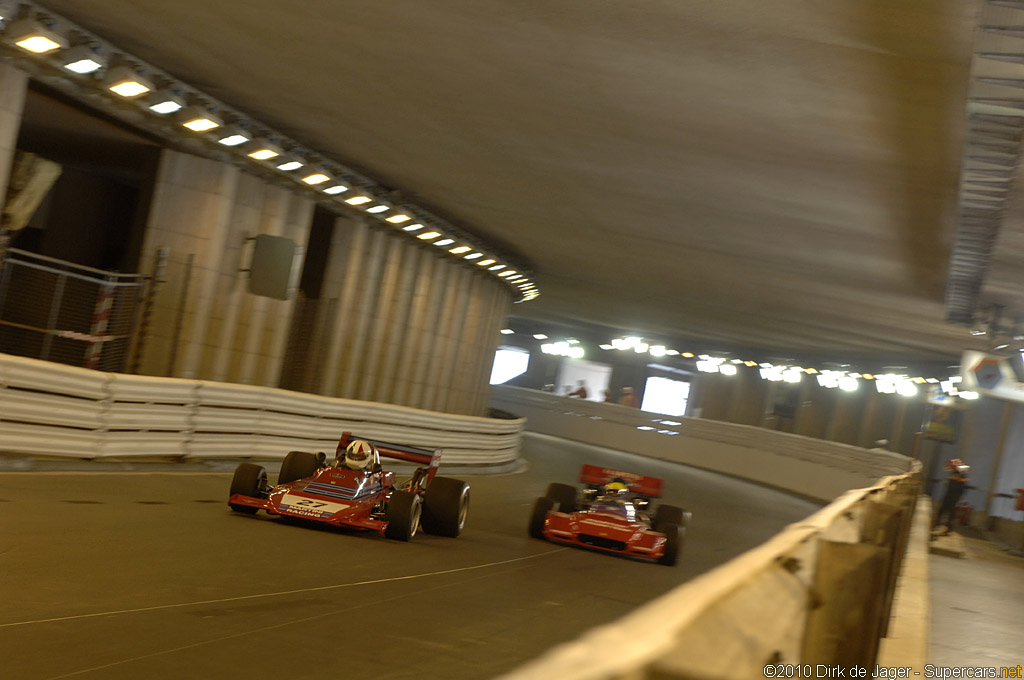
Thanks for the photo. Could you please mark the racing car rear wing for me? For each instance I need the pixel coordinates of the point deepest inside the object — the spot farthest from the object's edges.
(646, 486)
(411, 454)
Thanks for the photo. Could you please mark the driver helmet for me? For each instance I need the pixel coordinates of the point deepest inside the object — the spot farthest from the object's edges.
(616, 489)
(359, 455)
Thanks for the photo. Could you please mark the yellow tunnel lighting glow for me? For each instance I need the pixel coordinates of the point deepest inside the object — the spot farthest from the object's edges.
(32, 36)
(125, 82)
(358, 200)
(459, 250)
(198, 120)
(263, 150)
(399, 219)
(429, 235)
(484, 263)
(316, 178)
(688, 355)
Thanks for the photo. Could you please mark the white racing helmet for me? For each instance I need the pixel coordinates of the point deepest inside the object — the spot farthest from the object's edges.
(360, 455)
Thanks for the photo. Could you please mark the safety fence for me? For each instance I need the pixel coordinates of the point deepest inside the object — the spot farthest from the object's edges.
(54, 310)
(49, 409)
(812, 601)
(813, 468)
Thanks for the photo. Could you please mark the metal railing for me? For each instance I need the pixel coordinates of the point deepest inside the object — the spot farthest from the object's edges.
(59, 311)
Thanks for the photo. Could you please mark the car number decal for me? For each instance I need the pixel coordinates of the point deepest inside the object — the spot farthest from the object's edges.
(310, 506)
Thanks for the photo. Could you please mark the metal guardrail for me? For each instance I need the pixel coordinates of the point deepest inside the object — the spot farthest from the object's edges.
(55, 310)
(54, 410)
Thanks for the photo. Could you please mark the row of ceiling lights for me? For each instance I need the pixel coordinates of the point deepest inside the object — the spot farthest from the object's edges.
(848, 381)
(38, 37)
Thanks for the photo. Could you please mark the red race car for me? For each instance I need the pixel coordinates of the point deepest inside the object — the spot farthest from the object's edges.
(355, 491)
(611, 514)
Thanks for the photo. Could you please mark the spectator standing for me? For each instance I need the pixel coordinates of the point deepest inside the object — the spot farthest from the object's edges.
(580, 391)
(955, 485)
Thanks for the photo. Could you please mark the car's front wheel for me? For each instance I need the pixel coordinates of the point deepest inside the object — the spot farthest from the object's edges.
(445, 506)
(541, 508)
(249, 480)
(297, 465)
(673, 542)
(402, 515)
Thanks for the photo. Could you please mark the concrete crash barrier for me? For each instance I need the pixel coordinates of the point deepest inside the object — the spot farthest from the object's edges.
(812, 468)
(814, 599)
(54, 410)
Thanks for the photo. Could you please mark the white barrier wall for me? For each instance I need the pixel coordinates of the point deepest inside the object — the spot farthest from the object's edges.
(56, 410)
(813, 468)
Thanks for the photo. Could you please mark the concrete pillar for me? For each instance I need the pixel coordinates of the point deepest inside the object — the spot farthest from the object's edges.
(344, 271)
(382, 313)
(428, 332)
(390, 382)
(422, 309)
(358, 323)
(13, 85)
(816, 407)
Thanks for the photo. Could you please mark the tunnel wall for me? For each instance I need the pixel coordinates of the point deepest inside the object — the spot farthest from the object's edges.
(812, 468)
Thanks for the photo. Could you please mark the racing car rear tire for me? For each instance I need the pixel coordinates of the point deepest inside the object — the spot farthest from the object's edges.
(563, 495)
(297, 465)
(445, 506)
(670, 514)
(403, 515)
(673, 543)
(541, 508)
(249, 480)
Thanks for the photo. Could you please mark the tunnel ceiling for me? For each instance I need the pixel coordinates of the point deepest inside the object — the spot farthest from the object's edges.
(779, 176)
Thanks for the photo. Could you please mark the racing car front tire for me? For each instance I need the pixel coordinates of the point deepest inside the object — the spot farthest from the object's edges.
(563, 495)
(297, 465)
(403, 515)
(541, 508)
(670, 514)
(249, 480)
(445, 506)
(673, 542)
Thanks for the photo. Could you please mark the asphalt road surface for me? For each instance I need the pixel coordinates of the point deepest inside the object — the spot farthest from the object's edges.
(129, 575)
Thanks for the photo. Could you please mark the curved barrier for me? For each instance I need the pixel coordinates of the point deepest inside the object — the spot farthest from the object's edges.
(813, 468)
(63, 411)
(814, 599)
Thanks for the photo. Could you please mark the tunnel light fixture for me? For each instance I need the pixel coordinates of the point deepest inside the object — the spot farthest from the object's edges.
(164, 102)
(426, 236)
(233, 136)
(413, 227)
(126, 83)
(473, 256)
(484, 263)
(31, 36)
(336, 189)
(286, 163)
(316, 178)
(198, 119)
(444, 242)
(358, 200)
(378, 209)
(497, 267)
(539, 336)
(263, 150)
(459, 250)
(399, 219)
(507, 331)
(83, 60)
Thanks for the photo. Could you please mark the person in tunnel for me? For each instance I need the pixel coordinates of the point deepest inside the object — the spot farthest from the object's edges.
(956, 483)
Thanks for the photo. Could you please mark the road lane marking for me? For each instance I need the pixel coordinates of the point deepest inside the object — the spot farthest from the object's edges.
(280, 593)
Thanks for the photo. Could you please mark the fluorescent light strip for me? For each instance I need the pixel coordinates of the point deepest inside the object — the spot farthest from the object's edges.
(495, 267)
(444, 242)
(316, 178)
(358, 200)
(399, 219)
(458, 250)
(413, 227)
(484, 263)
(336, 189)
(473, 256)
(378, 209)
(429, 235)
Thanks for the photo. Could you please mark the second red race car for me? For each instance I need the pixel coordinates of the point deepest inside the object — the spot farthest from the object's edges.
(355, 491)
(611, 515)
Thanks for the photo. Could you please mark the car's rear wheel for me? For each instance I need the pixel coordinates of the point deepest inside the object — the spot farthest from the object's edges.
(249, 480)
(563, 495)
(673, 542)
(669, 514)
(541, 508)
(297, 465)
(445, 506)
(402, 515)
